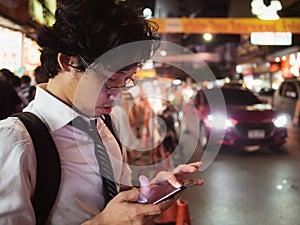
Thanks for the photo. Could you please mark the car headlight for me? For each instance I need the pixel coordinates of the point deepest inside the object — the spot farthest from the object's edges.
(282, 120)
(220, 122)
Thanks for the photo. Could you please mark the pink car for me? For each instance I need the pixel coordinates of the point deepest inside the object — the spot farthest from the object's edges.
(244, 120)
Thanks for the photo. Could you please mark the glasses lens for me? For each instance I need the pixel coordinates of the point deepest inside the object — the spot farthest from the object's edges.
(129, 83)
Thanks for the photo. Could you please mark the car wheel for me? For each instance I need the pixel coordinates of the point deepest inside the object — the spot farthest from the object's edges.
(203, 139)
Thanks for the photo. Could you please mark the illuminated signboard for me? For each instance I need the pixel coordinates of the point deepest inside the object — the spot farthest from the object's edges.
(271, 38)
(43, 11)
(10, 49)
(226, 25)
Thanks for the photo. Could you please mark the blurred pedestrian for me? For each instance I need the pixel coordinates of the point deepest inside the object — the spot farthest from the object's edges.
(39, 77)
(26, 89)
(170, 140)
(16, 83)
(10, 102)
(6, 75)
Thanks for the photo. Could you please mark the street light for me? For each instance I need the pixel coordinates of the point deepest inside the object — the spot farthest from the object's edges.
(264, 12)
(207, 37)
(147, 13)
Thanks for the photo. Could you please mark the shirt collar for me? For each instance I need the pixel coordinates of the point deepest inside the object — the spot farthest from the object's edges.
(52, 110)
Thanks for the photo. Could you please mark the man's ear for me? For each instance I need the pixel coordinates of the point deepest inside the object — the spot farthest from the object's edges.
(63, 61)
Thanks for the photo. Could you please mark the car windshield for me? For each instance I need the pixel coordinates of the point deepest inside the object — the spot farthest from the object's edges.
(235, 96)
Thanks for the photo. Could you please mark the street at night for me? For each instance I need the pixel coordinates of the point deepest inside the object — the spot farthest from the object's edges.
(243, 188)
(110, 108)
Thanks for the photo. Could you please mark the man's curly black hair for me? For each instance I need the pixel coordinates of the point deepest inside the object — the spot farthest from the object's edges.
(90, 28)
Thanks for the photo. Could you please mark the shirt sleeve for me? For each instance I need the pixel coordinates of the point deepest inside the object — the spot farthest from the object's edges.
(17, 172)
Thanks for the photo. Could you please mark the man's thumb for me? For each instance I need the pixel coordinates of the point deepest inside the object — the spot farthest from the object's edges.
(131, 195)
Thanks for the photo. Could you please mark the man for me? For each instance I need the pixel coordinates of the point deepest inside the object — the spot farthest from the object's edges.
(26, 89)
(10, 102)
(296, 114)
(83, 84)
(39, 77)
(6, 75)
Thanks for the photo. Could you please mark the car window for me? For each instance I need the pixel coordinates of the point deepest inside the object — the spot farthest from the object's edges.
(290, 91)
(235, 97)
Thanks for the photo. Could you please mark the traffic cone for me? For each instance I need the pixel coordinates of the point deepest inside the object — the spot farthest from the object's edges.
(168, 217)
(183, 216)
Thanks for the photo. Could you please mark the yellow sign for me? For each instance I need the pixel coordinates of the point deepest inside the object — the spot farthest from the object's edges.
(226, 25)
(145, 73)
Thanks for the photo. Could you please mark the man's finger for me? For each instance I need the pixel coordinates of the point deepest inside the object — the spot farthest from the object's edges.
(151, 210)
(129, 196)
(187, 168)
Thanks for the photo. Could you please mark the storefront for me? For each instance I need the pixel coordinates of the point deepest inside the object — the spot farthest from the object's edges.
(288, 61)
(11, 49)
(18, 53)
(290, 65)
(18, 22)
(265, 76)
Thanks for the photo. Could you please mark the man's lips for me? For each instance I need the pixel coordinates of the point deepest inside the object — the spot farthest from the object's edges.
(107, 109)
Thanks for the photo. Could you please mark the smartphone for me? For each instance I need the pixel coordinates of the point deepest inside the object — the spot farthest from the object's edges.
(164, 190)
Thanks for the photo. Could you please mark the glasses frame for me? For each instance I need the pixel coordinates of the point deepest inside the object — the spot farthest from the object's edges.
(128, 82)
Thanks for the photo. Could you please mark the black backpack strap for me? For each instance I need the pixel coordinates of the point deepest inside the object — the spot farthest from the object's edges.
(48, 166)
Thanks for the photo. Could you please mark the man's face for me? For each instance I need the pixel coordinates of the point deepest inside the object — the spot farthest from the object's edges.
(97, 91)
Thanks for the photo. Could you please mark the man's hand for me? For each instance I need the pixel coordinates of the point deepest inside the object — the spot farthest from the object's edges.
(124, 210)
(175, 178)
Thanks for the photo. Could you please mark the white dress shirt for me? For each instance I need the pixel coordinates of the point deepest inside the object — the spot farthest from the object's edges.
(80, 194)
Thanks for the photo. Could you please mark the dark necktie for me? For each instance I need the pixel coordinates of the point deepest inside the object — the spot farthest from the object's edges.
(105, 168)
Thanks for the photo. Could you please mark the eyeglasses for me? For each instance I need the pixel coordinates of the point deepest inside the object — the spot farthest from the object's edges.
(128, 82)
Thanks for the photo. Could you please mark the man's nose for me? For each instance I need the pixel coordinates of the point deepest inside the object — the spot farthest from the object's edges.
(114, 93)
